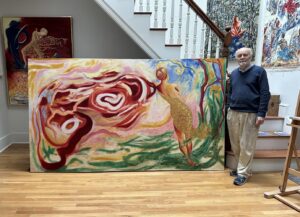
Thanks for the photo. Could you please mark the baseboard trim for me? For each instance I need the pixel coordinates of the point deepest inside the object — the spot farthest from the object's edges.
(4, 143)
(13, 138)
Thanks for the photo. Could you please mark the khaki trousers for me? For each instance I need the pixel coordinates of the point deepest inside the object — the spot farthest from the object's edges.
(243, 134)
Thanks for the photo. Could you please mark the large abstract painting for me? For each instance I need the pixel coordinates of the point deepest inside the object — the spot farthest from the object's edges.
(90, 115)
(282, 34)
(32, 37)
(241, 15)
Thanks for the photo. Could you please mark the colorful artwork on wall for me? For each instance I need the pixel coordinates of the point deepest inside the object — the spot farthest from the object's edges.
(91, 115)
(32, 37)
(241, 15)
(281, 34)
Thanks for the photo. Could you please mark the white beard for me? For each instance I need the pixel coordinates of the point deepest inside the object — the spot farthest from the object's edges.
(244, 64)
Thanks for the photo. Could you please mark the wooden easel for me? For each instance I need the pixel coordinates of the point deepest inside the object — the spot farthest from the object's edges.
(283, 190)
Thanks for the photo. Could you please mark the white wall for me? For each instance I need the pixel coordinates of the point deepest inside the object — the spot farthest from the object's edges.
(285, 83)
(3, 114)
(95, 35)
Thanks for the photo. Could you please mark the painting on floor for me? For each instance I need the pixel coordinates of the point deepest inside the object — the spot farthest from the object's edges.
(241, 16)
(92, 115)
(281, 45)
(32, 37)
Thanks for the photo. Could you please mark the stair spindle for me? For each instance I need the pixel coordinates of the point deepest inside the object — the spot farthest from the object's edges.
(202, 40)
(171, 40)
(179, 22)
(209, 45)
(156, 14)
(148, 6)
(141, 6)
(218, 48)
(164, 14)
(187, 34)
(195, 37)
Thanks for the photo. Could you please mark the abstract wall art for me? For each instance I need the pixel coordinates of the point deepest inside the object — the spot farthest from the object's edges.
(32, 37)
(241, 15)
(281, 47)
(92, 115)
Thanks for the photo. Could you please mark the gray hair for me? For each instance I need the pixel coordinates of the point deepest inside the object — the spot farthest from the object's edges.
(249, 50)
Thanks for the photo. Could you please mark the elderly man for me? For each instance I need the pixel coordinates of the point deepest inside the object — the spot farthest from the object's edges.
(248, 104)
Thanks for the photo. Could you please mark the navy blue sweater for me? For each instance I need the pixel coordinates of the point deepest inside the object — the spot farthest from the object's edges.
(249, 91)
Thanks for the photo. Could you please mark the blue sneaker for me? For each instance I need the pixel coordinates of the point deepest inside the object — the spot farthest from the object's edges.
(240, 180)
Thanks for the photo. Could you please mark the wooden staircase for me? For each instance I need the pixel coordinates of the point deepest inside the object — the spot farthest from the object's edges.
(271, 147)
(168, 29)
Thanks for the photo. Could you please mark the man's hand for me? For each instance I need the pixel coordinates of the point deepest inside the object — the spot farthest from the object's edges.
(259, 121)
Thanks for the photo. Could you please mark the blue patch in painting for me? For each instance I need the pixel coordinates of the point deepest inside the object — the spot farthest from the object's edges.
(185, 80)
(217, 71)
(186, 66)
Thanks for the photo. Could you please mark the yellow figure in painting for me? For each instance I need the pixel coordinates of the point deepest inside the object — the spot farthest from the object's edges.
(33, 49)
(180, 112)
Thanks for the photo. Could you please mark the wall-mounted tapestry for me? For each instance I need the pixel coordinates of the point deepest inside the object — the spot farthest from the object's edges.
(281, 34)
(90, 115)
(32, 37)
(241, 15)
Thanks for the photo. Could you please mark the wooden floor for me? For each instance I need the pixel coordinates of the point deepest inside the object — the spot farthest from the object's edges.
(176, 193)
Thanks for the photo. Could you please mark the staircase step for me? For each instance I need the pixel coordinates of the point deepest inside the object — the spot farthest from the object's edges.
(141, 13)
(264, 160)
(279, 153)
(158, 29)
(173, 45)
(272, 140)
(273, 134)
(276, 153)
(274, 118)
(272, 123)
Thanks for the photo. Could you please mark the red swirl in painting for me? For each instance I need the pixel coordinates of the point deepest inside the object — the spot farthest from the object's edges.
(65, 111)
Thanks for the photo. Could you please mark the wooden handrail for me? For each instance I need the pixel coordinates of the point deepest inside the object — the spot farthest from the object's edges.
(225, 38)
(206, 19)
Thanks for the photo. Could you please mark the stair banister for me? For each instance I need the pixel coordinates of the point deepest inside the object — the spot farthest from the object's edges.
(169, 35)
(206, 19)
(225, 38)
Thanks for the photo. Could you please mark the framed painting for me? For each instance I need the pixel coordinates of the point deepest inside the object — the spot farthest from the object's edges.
(32, 37)
(281, 47)
(242, 16)
(92, 115)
